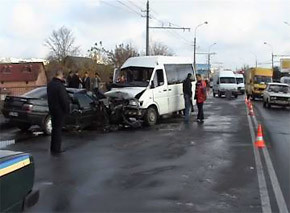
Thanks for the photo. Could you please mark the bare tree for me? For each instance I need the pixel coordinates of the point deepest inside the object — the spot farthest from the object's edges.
(158, 48)
(61, 44)
(115, 57)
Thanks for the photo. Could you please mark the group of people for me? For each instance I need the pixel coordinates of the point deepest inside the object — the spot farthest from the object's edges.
(74, 80)
(200, 96)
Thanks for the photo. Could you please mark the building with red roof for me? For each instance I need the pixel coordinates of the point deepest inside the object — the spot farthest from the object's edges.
(19, 78)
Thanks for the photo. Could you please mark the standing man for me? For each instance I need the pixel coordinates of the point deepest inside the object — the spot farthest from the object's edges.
(69, 79)
(200, 96)
(187, 92)
(58, 104)
(76, 81)
(96, 82)
(87, 82)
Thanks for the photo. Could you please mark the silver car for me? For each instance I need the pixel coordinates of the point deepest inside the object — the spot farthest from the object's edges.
(276, 94)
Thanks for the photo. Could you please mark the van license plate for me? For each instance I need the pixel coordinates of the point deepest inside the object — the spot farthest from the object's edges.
(13, 114)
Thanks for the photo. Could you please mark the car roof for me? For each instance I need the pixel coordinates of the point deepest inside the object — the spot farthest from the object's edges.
(278, 84)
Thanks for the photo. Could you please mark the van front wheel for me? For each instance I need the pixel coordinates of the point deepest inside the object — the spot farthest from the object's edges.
(151, 116)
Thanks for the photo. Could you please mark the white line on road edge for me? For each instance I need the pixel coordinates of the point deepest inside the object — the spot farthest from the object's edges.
(6, 143)
(264, 195)
(274, 180)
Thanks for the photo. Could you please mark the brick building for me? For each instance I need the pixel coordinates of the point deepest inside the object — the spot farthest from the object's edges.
(19, 78)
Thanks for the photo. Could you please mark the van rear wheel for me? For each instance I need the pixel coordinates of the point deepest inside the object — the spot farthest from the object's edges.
(151, 116)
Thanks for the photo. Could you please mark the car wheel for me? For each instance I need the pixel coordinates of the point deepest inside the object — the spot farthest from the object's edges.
(151, 116)
(219, 94)
(213, 93)
(23, 126)
(236, 96)
(47, 125)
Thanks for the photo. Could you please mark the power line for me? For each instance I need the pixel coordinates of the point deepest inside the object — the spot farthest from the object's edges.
(134, 4)
(129, 8)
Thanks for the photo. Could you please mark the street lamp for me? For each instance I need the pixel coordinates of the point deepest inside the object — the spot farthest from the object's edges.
(255, 58)
(194, 45)
(272, 54)
(209, 57)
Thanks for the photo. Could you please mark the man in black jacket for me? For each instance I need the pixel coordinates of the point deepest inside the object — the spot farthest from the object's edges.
(187, 92)
(58, 104)
(76, 81)
(87, 82)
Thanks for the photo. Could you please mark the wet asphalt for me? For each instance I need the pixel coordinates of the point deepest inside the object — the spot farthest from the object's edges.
(276, 123)
(171, 167)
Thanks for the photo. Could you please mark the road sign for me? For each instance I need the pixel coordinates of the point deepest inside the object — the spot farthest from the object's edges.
(285, 65)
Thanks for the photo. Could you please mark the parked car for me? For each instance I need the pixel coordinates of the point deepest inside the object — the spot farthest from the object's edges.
(32, 109)
(240, 83)
(16, 180)
(276, 94)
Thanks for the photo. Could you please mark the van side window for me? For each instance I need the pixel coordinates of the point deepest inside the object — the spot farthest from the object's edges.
(158, 78)
(177, 73)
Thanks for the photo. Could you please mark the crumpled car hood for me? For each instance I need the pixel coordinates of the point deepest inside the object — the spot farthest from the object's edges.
(124, 93)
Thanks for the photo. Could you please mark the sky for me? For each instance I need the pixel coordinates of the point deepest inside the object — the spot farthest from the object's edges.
(238, 27)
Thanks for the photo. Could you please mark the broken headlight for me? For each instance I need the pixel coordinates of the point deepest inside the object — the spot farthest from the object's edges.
(134, 103)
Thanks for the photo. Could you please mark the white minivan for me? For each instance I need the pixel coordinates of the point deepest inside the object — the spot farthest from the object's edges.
(150, 86)
(223, 82)
(240, 83)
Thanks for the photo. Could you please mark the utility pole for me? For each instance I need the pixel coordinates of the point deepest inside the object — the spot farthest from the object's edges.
(147, 28)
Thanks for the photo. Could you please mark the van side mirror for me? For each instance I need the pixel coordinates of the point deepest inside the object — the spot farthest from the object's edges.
(152, 85)
(218, 82)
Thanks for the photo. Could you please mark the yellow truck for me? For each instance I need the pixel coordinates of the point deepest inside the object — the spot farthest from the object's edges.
(256, 80)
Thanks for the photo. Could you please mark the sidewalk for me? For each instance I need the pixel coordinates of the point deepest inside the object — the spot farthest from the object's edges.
(171, 167)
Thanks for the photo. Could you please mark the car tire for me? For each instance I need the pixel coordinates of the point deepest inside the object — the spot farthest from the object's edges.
(47, 125)
(23, 126)
(236, 96)
(213, 93)
(219, 94)
(151, 116)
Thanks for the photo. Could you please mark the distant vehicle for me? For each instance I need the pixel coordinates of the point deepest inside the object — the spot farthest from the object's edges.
(256, 80)
(16, 180)
(32, 109)
(276, 94)
(148, 87)
(224, 82)
(240, 83)
(285, 80)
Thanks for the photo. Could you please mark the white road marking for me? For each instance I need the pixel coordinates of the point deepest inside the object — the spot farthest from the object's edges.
(273, 177)
(264, 195)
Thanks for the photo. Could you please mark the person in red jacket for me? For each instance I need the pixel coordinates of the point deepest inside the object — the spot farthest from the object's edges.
(200, 96)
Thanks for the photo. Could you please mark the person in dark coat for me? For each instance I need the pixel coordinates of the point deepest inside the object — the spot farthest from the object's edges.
(87, 82)
(58, 104)
(187, 92)
(69, 78)
(76, 81)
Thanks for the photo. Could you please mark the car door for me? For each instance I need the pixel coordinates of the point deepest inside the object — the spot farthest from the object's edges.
(160, 91)
(86, 109)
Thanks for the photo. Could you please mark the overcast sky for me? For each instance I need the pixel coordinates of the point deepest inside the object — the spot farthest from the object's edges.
(238, 27)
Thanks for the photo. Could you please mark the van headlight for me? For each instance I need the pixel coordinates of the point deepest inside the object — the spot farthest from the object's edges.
(273, 98)
(134, 103)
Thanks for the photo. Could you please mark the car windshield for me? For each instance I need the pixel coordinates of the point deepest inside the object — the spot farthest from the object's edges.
(262, 79)
(134, 76)
(36, 93)
(279, 88)
(227, 80)
(240, 80)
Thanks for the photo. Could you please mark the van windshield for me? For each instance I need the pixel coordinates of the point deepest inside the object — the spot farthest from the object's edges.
(228, 80)
(262, 79)
(240, 80)
(134, 76)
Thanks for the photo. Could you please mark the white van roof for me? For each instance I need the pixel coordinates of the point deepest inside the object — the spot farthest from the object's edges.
(226, 74)
(239, 76)
(152, 61)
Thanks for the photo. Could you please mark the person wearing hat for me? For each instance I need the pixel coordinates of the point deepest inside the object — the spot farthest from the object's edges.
(187, 92)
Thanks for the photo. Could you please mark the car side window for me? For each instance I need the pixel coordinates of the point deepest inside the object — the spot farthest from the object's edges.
(84, 100)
